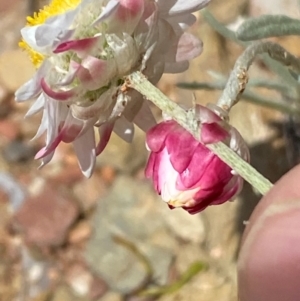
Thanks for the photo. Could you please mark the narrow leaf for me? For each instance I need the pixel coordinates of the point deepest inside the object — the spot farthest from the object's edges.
(268, 26)
(229, 34)
(247, 95)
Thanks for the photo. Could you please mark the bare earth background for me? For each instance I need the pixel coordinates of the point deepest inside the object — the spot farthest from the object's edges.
(66, 238)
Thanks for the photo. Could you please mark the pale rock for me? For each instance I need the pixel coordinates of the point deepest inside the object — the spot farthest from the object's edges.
(63, 293)
(84, 283)
(187, 227)
(80, 233)
(111, 296)
(132, 212)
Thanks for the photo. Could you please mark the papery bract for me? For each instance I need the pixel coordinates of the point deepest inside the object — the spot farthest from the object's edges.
(184, 171)
(84, 50)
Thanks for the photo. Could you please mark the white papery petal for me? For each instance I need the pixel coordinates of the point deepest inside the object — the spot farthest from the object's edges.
(43, 126)
(70, 76)
(167, 38)
(125, 52)
(146, 33)
(144, 119)
(81, 127)
(109, 9)
(56, 113)
(124, 129)
(44, 37)
(63, 36)
(33, 87)
(45, 160)
(182, 22)
(85, 150)
(101, 108)
(120, 105)
(37, 106)
(169, 8)
(188, 47)
(104, 131)
(177, 67)
(95, 73)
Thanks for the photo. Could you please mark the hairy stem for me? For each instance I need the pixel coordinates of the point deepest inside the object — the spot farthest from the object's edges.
(188, 121)
(248, 96)
(229, 34)
(238, 79)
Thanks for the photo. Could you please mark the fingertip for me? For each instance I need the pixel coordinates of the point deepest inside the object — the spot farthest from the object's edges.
(268, 267)
(286, 188)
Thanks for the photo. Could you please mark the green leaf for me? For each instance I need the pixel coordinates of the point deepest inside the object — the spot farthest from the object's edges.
(220, 28)
(268, 26)
(229, 34)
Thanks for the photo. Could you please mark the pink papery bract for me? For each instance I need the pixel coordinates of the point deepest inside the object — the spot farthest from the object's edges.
(185, 172)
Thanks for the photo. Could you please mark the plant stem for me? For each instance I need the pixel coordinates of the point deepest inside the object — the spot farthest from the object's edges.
(238, 78)
(188, 121)
(229, 34)
(247, 96)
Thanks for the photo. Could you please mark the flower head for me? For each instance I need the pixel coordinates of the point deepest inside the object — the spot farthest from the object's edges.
(83, 51)
(184, 171)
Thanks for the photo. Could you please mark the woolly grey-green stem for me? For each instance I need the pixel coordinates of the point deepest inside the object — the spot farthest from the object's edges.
(238, 78)
(188, 121)
(246, 96)
(229, 34)
(268, 26)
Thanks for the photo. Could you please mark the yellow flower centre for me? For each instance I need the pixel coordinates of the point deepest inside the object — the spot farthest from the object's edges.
(55, 7)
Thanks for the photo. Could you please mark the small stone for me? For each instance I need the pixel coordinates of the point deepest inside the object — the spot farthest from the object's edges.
(98, 288)
(35, 272)
(84, 283)
(80, 233)
(63, 293)
(79, 279)
(132, 213)
(111, 296)
(185, 226)
(45, 219)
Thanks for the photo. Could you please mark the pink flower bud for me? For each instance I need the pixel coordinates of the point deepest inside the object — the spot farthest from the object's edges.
(185, 172)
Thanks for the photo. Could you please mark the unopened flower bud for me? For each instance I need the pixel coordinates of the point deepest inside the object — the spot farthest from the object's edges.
(185, 172)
